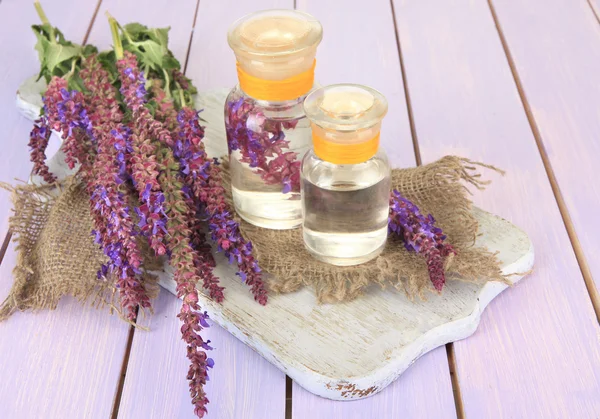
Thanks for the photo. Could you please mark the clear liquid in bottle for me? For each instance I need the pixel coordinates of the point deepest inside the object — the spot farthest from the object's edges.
(346, 211)
(346, 177)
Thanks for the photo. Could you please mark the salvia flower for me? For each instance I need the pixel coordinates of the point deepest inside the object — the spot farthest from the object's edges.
(156, 175)
(262, 144)
(204, 179)
(114, 227)
(66, 113)
(144, 171)
(186, 276)
(38, 142)
(420, 235)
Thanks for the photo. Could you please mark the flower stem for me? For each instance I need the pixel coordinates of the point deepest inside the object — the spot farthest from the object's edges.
(167, 83)
(44, 19)
(114, 30)
(181, 96)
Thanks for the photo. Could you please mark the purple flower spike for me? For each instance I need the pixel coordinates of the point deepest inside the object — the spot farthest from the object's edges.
(420, 235)
(204, 180)
(262, 144)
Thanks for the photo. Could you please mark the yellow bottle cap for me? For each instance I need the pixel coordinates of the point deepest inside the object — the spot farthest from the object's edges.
(275, 52)
(346, 121)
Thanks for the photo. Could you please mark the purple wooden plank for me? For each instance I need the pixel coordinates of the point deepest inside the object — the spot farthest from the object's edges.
(243, 385)
(423, 391)
(536, 352)
(557, 57)
(348, 54)
(65, 363)
(19, 62)
(212, 63)
(58, 364)
(179, 15)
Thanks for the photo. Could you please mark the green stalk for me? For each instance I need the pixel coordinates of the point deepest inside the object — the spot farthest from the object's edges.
(44, 19)
(70, 73)
(126, 34)
(181, 96)
(167, 83)
(114, 30)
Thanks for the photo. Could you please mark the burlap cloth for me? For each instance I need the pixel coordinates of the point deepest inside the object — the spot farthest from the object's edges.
(56, 254)
(439, 188)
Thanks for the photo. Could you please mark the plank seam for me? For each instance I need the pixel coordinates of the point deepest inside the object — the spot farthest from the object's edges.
(594, 11)
(288, 381)
(411, 119)
(458, 402)
(121, 385)
(5, 246)
(288, 397)
(558, 196)
(189, 48)
(460, 410)
(92, 21)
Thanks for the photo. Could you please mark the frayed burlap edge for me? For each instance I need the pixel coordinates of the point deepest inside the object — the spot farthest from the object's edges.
(439, 188)
(56, 254)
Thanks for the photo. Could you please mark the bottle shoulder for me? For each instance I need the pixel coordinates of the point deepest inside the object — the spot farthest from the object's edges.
(319, 171)
(380, 159)
(287, 110)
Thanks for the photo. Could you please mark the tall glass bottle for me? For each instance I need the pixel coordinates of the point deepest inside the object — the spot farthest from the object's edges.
(267, 131)
(346, 177)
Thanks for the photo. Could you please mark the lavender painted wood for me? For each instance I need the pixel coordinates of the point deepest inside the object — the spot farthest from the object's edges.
(595, 5)
(347, 54)
(19, 58)
(179, 15)
(212, 63)
(536, 353)
(557, 56)
(414, 395)
(65, 363)
(243, 385)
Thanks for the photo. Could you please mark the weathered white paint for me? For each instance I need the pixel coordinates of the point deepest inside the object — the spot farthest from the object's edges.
(355, 349)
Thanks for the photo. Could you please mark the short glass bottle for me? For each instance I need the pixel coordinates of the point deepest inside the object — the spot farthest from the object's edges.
(346, 177)
(267, 130)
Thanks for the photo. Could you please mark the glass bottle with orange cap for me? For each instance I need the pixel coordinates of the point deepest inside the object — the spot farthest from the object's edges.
(346, 177)
(267, 130)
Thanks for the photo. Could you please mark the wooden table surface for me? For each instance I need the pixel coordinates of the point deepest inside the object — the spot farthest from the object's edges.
(512, 83)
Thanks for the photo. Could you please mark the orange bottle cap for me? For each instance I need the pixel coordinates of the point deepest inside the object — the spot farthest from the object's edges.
(275, 52)
(277, 90)
(346, 121)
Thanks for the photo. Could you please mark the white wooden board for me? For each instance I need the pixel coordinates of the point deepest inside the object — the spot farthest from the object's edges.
(350, 350)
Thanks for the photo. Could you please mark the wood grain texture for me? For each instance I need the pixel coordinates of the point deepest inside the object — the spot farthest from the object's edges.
(242, 385)
(212, 63)
(542, 360)
(557, 58)
(65, 363)
(316, 345)
(361, 48)
(178, 15)
(20, 61)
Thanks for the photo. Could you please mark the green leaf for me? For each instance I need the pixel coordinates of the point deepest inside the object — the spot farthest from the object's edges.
(89, 50)
(57, 54)
(159, 35)
(75, 83)
(134, 30)
(41, 46)
(151, 53)
(109, 63)
(170, 63)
